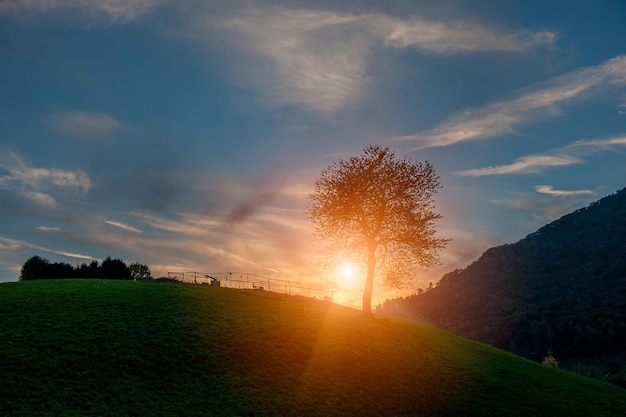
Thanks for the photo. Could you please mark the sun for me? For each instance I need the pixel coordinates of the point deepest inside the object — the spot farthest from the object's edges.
(347, 272)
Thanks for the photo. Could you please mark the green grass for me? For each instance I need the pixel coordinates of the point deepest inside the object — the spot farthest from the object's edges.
(116, 348)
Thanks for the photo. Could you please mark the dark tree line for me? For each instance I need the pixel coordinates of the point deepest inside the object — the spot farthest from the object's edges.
(41, 268)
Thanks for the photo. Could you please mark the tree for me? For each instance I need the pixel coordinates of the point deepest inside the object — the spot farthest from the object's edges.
(35, 268)
(61, 270)
(88, 271)
(381, 208)
(138, 270)
(114, 269)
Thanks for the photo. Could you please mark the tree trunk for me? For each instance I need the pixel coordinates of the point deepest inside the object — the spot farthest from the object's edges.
(369, 281)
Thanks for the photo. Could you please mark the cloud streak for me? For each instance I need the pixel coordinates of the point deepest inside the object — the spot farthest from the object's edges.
(123, 226)
(321, 59)
(108, 12)
(527, 106)
(48, 229)
(198, 240)
(14, 245)
(31, 183)
(444, 38)
(92, 127)
(548, 189)
(531, 164)
(567, 155)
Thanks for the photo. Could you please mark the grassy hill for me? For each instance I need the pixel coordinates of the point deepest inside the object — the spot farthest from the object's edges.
(118, 348)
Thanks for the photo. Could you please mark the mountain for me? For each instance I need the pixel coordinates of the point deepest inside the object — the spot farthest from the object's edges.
(125, 348)
(562, 288)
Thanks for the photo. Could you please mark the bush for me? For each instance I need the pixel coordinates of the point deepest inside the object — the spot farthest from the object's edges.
(550, 361)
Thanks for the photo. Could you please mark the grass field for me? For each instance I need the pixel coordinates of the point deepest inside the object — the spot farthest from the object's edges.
(119, 348)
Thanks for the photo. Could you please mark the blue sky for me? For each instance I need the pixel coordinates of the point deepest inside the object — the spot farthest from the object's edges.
(187, 134)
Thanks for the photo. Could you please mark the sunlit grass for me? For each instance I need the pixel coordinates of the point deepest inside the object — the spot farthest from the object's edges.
(110, 348)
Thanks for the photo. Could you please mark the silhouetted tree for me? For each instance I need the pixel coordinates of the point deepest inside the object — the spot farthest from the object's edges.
(138, 270)
(87, 271)
(60, 270)
(380, 207)
(35, 268)
(114, 269)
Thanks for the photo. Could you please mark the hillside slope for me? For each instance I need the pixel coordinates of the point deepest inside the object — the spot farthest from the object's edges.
(562, 288)
(111, 348)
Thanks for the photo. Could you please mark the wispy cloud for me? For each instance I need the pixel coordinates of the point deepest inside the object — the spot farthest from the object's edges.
(548, 189)
(205, 241)
(48, 229)
(7, 244)
(530, 164)
(320, 59)
(90, 12)
(61, 252)
(40, 199)
(527, 106)
(310, 58)
(123, 226)
(93, 127)
(19, 171)
(313, 58)
(168, 224)
(567, 155)
(31, 183)
(588, 147)
(454, 37)
(255, 220)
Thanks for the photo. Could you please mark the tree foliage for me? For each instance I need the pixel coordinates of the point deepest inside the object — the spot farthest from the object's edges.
(380, 208)
(41, 268)
(139, 271)
(35, 268)
(115, 269)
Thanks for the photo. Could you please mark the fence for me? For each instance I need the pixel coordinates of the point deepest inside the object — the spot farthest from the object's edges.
(246, 280)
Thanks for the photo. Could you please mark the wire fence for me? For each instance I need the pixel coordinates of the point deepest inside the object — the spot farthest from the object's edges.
(249, 281)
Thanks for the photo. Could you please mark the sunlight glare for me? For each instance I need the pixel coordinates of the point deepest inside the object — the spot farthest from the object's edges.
(347, 272)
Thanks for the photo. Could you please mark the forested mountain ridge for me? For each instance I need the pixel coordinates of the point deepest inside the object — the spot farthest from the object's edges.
(562, 288)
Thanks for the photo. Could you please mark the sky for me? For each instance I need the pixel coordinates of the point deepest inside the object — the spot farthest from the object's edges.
(187, 135)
